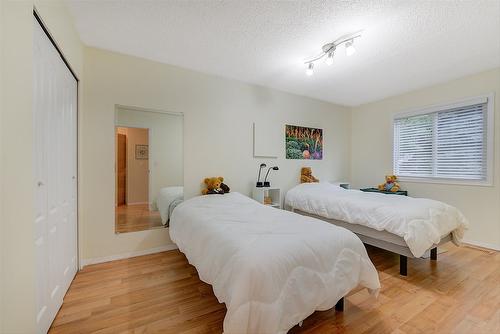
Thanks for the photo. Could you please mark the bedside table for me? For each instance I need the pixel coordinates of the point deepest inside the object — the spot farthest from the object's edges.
(375, 190)
(258, 194)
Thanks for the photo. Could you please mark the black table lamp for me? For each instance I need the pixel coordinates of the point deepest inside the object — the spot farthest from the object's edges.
(259, 184)
(267, 183)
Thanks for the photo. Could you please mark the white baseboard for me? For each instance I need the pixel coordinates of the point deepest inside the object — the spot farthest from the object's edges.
(482, 244)
(86, 262)
(137, 203)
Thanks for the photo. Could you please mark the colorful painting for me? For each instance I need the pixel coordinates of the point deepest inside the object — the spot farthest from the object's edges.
(303, 143)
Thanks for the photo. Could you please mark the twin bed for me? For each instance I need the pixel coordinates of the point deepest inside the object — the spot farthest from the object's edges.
(410, 227)
(168, 199)
(273, 268)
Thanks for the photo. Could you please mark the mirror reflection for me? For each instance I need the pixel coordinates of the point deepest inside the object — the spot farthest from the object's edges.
(149, 168)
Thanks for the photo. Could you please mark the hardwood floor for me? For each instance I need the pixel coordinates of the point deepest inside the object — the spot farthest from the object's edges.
(137, 217)
(161, 293)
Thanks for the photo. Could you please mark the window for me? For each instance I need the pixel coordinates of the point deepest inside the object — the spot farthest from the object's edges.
(452, 142)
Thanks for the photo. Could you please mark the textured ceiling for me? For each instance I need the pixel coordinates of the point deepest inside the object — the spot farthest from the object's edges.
(406, 44)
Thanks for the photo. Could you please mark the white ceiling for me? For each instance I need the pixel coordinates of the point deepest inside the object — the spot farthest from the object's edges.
(406, 44)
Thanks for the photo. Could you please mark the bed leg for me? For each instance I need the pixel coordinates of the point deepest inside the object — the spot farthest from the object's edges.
(403, 265)
(434, 254)
(340, 305)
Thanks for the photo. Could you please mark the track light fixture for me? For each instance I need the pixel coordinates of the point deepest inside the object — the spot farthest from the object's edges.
(328, 50)
(329, 58)
(349, 48)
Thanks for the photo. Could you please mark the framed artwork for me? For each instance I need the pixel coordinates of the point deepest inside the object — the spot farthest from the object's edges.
(141, 152)
(266, 139)
(303, 143)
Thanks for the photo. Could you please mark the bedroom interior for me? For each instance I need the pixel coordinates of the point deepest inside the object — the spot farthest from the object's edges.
(114, 113)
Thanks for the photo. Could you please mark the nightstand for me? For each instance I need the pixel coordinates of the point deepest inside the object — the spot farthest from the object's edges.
(375, 190)
(259, 193)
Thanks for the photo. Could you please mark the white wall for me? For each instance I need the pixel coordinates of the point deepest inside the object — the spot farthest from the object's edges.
(372, 152)
(17, 290)
(218, 117)
(165, 146)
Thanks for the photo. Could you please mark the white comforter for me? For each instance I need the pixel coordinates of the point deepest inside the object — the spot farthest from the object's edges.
(420, 222)
(168, 199)
(272, 268)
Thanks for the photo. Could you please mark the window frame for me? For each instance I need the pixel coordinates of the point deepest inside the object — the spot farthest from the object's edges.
(490, 139)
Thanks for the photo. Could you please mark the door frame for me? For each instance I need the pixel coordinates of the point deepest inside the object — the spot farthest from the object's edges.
(116, 166)
(39, 19)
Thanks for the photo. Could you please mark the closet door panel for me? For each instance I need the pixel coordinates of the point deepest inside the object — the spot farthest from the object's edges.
(55, 110)
(73, 180)
(40, 121)
(68, 180)
(53, 155)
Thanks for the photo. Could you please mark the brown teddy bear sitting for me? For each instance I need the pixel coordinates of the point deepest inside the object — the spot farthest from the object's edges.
(306, 175)
(215, 185)
(390, 184)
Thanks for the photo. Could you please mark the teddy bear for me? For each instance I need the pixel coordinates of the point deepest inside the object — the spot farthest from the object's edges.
(306, 175)
(215, 185)
(390, 184)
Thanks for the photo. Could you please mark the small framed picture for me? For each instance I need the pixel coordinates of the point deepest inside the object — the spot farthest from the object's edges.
(141, 152)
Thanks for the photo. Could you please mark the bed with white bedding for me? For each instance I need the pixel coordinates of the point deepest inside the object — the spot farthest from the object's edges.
(404, 225)
(272, 268)
(168, 199)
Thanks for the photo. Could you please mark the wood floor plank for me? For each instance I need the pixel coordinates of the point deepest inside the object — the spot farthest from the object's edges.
(136, 217)
(161, 293)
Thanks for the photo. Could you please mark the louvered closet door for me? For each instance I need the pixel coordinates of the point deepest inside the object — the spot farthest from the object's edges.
(54, 121)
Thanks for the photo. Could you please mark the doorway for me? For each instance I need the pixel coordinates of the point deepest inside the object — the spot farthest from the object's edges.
(133, 207)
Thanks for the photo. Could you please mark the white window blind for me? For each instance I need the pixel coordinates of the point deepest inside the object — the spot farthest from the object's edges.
(445, 143)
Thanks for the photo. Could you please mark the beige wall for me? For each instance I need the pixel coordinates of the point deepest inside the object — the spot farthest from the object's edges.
(218, 117)
(372, 152)
(17, 290)
(165, 146)
(18, 274)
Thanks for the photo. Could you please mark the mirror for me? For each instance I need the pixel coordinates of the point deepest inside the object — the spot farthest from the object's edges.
(148, 168)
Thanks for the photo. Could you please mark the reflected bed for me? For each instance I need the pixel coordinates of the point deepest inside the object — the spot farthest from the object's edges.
(168, 199)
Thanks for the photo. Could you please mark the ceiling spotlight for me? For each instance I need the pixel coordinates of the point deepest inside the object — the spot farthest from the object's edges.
(329, 58)
(349, 48)
(310, 69)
